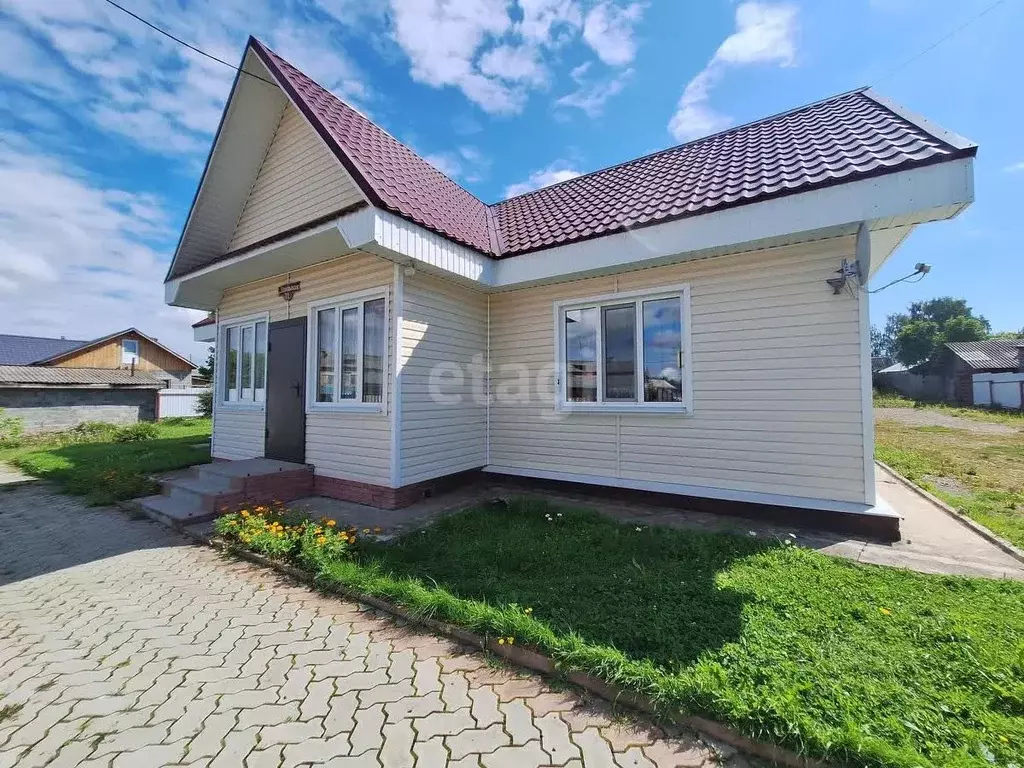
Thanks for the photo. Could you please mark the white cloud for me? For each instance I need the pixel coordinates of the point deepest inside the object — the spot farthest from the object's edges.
(133, 82)
(78, 259)
(591, 97)
(549, 21)
(765, 34)
(1015, 167)
(515, 64)
(467, 163)
(608, 29)
(553, 174)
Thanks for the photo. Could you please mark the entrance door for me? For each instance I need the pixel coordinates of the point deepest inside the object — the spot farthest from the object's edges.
(286, 391)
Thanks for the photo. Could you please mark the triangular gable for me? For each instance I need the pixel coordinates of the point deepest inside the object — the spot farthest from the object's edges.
(251, 120)
(86, 346)
(299, 182)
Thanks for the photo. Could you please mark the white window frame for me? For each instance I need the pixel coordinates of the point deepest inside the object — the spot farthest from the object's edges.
(341, 303)
(222, 357)
(682, 292)
(127, 358)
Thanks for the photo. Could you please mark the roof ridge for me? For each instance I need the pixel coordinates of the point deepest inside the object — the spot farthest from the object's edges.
(692, 142)
(45, 338)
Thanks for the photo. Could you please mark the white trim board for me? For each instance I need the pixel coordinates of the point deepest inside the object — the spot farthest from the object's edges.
(879, 509)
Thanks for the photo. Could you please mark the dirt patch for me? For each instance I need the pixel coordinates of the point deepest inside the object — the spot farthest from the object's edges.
(930, 417)
(947, 484)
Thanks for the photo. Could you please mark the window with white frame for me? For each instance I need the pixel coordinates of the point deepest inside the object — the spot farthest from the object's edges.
(348, 345)
(129, 351)
(244, 362)
(624, 351)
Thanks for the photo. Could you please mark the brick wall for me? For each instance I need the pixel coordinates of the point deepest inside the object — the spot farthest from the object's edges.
(51, 408)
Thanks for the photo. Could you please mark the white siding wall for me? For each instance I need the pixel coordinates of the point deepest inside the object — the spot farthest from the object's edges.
(353, 446)
(776, 377)
(300, 181)
(237, 434)
(444, 331)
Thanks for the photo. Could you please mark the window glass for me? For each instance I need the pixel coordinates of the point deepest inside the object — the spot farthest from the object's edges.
(129, 351)
(261, 361)
(231, 367)
(327, 343)
(374, 349)
(619, 337)
(349, 353)
(247, 355)
(663, 351)
(581, 355)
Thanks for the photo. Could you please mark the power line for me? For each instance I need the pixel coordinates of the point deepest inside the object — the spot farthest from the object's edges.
(938, 42)
(191, 47)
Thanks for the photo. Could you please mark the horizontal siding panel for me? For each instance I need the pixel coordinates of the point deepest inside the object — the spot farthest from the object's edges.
(776, 378)
(238, 434)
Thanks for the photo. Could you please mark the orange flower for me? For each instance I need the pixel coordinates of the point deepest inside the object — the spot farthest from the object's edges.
(331, 523)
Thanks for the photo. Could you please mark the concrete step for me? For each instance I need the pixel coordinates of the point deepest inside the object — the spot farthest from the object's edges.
(174, 512)
(248, 468)
(198, 492)
(209, 480)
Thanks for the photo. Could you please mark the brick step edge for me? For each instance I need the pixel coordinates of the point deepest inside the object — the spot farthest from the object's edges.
(527, 659)
(1014, 551)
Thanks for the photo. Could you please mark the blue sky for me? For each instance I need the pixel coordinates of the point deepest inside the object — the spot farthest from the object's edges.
(105, 124)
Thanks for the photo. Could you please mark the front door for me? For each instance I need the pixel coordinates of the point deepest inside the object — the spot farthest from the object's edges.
(286, 391)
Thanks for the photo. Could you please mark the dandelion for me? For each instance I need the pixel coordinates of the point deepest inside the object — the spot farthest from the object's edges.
(511, 640)
(528, 611)
(885, 611)
(501, 641)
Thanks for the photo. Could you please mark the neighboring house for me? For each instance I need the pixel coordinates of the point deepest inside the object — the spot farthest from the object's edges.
(662, 325)
(206, 329)
(962, 361)
(129, 349)
(58, 383)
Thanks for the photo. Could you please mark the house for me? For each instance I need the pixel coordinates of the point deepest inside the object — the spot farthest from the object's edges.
(58, 383)
(962, 362)
(693, 322)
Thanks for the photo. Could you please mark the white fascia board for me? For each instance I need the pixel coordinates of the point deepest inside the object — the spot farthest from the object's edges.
(925, 193)
(203, 288)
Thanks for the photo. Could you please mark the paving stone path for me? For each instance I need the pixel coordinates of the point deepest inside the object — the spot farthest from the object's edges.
(123, 645)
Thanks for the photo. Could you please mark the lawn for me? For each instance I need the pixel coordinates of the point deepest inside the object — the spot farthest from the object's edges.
(88, 462)
(990, 415)
(860, 665)
(978, 473)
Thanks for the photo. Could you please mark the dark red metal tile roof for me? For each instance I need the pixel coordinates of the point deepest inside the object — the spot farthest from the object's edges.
(845, 138)
(389, 173)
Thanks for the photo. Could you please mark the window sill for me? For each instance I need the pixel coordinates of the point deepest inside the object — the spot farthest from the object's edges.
(368, 408)
(234, 406)
(649, 409)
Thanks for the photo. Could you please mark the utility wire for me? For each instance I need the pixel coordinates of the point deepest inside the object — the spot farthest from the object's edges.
(902, 279)
(191, 47)
(938, 42)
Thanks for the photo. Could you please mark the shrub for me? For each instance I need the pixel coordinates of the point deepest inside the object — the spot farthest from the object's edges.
(11, 429)
(206, 403)
(133, 433)
(90, 431)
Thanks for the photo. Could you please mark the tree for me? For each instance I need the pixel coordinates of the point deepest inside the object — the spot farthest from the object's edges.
(1009, 335)
(883, 340)
(920, 335)
(207, 369)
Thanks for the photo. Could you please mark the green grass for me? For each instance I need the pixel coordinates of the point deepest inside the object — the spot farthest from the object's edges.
(1012, 418)
(989, 466)
(90, 463)
(859, 665)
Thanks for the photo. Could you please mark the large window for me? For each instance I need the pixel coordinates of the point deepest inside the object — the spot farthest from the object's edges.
(348, 342)
(624, 352)
(244, 362)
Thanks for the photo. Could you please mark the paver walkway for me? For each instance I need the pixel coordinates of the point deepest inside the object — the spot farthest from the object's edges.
(120, 644)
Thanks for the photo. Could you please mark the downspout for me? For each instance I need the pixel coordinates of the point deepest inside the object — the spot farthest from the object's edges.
(487, 389)
(396, 390)
(863, 254)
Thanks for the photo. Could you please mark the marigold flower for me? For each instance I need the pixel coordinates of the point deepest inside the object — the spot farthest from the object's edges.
(244, 513)
(377, 529)
(321, 540)
(331, 523)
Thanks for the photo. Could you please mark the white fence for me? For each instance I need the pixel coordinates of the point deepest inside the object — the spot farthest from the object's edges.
(1001, 389)
(180, 402)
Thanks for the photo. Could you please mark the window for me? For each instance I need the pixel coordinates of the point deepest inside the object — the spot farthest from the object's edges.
(129, 351)
(349, 345)
(624, 352)
(244, 361)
